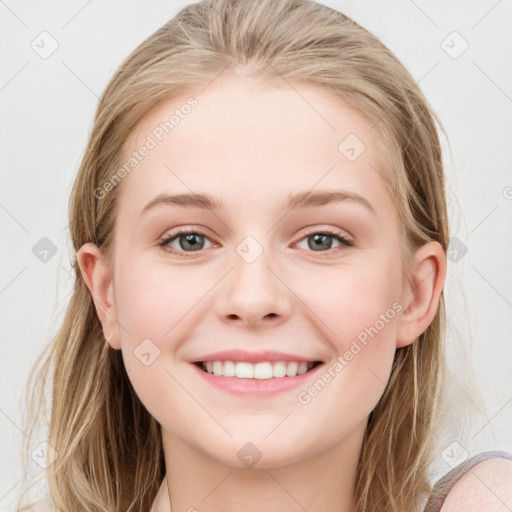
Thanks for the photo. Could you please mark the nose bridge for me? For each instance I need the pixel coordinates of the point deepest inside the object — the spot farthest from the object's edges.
(252, 290)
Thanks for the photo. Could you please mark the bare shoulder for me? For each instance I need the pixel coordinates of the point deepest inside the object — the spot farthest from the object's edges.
(486, 486)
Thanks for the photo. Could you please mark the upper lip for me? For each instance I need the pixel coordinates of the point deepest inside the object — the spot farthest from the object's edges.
(252, 357)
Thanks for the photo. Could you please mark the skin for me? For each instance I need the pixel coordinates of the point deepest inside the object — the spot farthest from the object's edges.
(486, 486)
(252, 145)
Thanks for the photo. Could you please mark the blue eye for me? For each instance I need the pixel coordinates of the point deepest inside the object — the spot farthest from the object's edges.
(191, 241)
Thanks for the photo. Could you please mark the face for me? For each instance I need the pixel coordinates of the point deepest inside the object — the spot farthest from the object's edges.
(255, 273)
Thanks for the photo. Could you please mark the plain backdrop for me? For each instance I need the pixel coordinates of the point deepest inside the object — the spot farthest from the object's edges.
(458, 52)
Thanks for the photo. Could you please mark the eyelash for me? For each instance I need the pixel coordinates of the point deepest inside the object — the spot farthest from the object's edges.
(163, 242)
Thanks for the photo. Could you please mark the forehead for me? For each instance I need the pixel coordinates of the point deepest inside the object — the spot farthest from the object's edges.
(248, 142)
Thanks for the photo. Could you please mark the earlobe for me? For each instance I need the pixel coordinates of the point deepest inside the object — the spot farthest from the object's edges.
(97, 277)
(422, 295)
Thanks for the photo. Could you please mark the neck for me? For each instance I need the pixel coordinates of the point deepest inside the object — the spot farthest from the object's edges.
(322, 481)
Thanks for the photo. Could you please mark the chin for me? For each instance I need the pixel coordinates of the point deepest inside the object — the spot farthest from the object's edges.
(254, 452)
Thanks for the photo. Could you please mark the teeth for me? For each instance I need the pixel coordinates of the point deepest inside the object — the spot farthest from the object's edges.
(265, 370)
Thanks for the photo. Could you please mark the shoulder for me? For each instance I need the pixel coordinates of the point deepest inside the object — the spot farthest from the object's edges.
(487, 485)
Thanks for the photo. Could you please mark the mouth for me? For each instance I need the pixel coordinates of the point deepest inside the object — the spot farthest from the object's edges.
(262, 371)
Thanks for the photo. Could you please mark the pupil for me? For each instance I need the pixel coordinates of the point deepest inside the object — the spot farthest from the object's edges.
(318, 238)
(194, 245)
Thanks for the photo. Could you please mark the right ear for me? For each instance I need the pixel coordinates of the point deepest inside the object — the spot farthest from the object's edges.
(96, 275)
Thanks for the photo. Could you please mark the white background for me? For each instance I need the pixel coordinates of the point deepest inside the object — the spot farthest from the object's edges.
(47, 110)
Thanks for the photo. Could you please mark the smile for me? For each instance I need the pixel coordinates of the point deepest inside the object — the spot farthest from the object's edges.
(262, 379)
(263, 370)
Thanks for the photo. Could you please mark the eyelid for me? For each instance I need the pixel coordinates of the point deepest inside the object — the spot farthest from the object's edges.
(335, 232)
(185, 230)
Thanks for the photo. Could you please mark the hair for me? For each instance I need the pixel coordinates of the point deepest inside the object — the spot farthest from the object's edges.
(109, 448)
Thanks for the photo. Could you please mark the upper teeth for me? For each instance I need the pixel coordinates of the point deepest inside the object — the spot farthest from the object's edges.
(265, 370)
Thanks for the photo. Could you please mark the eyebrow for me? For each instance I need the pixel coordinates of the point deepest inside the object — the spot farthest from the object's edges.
(295, 201)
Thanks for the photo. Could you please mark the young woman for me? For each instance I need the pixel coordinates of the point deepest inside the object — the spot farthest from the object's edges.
(257, 321)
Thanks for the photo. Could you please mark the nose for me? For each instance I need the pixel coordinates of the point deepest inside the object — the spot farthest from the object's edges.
(253, 294)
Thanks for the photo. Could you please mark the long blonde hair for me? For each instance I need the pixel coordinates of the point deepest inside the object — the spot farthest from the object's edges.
(109, 450)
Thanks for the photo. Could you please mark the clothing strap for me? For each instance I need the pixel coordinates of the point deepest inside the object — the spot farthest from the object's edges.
(443, 486)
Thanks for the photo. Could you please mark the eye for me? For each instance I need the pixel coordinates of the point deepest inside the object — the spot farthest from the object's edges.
(188, 241)
(318, 240)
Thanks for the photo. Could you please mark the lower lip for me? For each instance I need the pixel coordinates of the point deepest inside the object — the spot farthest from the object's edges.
(256, 387)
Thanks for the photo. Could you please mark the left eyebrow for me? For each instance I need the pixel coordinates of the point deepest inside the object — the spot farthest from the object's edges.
(295, 201)
(310, 199)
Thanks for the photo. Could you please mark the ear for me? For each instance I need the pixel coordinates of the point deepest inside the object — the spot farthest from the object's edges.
(421, 296)
(97, 277)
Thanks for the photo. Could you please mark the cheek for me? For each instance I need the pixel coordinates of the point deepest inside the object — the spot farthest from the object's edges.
(352, 299)
(357, 311)
(160, 302)
(155, 308)
(153, 299)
